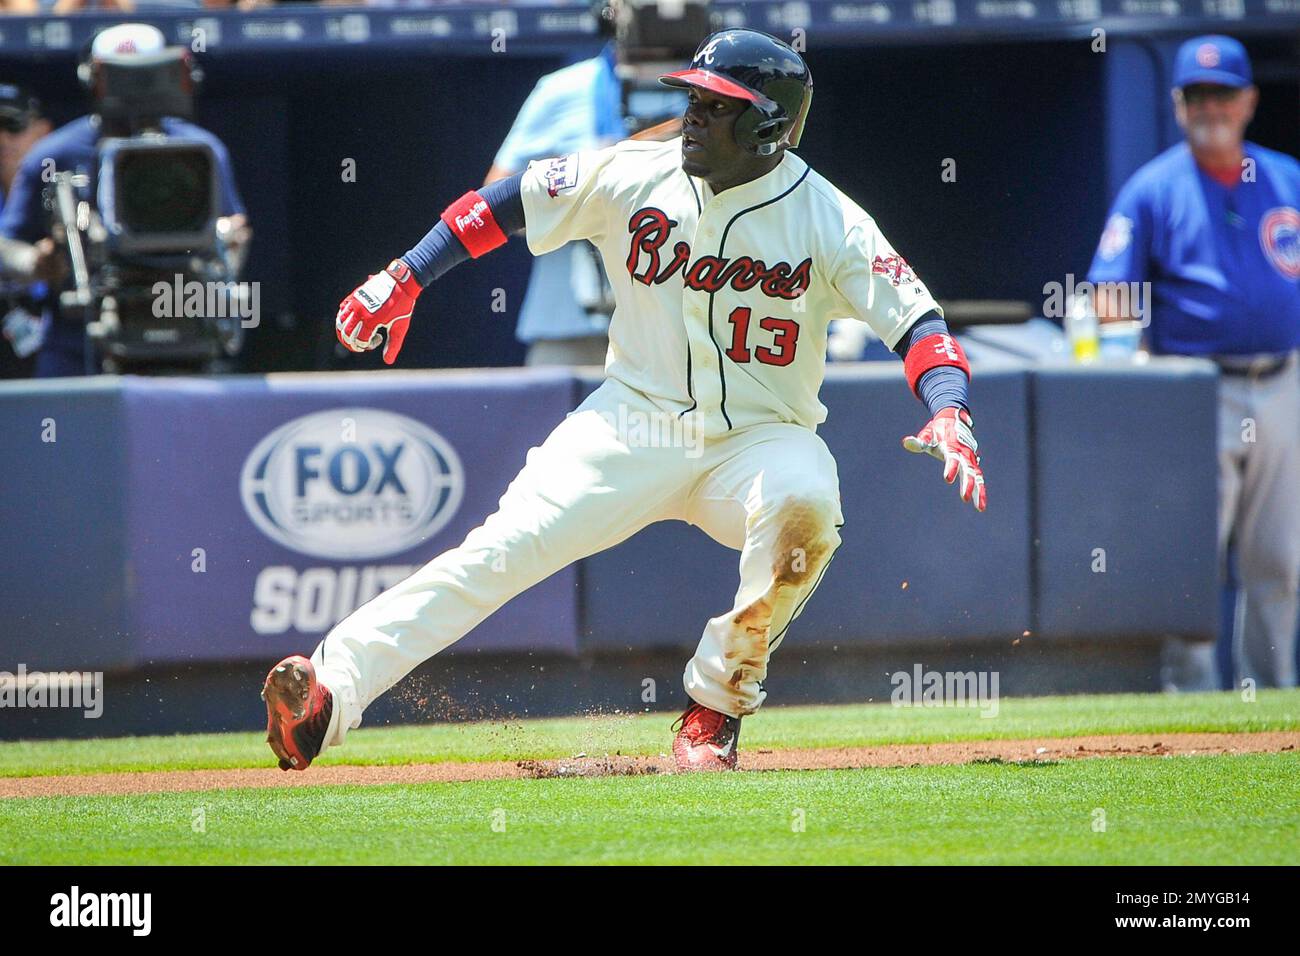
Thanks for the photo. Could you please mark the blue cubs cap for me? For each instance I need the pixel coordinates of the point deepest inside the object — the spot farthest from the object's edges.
(1212, 59)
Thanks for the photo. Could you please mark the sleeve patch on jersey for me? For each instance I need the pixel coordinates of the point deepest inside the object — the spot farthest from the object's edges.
(1115, 238)
(560, 174)
(1279, 237)
(894, 268)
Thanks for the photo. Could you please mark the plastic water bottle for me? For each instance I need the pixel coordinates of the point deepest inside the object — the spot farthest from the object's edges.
(1081, 330)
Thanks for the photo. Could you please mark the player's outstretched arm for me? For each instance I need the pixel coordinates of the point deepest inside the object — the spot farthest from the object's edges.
(880, 288)
(938, 373)
(380, 309)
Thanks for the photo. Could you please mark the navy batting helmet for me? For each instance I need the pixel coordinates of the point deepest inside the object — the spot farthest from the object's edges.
(761, 69)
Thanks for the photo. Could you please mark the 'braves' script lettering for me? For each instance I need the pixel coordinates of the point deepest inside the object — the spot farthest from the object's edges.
(649, 228)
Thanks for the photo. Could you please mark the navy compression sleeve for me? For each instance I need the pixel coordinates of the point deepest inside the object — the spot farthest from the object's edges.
(941, 387)
(439, 250)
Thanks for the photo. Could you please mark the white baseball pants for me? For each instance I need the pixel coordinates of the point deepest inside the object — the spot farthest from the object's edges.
(612, 467)
(1259, 464)
(1259, 513)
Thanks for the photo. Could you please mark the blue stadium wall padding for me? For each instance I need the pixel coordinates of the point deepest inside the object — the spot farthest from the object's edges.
(193, 437)
(1126, 471)
(916, 564)
(97, 546)
(63, 549)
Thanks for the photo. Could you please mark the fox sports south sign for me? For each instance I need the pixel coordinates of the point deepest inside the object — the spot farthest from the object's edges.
(352, 483)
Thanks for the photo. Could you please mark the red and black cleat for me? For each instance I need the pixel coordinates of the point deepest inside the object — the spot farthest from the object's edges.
(298, 709)
(706, 739)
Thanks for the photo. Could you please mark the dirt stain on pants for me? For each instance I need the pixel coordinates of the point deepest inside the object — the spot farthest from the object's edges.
(806, 537)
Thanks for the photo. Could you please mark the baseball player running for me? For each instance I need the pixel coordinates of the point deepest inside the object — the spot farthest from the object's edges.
(728, 257)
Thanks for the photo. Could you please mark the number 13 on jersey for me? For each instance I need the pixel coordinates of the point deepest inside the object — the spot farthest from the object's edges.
(785, 335)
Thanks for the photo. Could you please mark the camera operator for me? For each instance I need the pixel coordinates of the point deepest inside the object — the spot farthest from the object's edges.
(21, 125)
(75, 147)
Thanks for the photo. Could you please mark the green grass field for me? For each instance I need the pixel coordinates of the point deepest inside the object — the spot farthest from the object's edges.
(1135, 810)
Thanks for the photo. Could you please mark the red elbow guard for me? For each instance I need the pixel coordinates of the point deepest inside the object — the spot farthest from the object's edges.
(470, 220)
(933, 351)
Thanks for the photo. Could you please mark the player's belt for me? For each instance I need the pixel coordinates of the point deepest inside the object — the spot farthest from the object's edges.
(1260, 366)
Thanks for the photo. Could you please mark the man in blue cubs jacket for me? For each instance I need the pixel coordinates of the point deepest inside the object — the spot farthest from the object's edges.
(1213, 224)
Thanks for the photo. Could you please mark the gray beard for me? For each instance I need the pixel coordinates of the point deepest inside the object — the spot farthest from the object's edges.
(1211, 135)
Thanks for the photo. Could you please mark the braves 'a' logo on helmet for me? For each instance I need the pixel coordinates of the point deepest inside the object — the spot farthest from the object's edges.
(705, 53)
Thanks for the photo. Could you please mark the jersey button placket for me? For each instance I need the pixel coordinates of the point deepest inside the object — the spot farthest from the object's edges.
(696, 312)
(695, 317)
(708, 387)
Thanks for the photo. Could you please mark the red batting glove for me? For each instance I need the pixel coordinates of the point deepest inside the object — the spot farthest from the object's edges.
(949, 438)
(384, 302)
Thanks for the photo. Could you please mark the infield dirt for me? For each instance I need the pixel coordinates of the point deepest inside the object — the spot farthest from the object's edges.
(1043, 750)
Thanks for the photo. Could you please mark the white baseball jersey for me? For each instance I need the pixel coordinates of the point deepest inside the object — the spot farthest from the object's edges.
(723, 301)
(722, 307)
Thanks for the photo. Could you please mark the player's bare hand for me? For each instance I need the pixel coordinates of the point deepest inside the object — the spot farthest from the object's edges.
(949, 437)
(379, 311)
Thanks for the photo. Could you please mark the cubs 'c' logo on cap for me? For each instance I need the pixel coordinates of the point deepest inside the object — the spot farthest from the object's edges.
(1279, 237)
(1207, 56)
